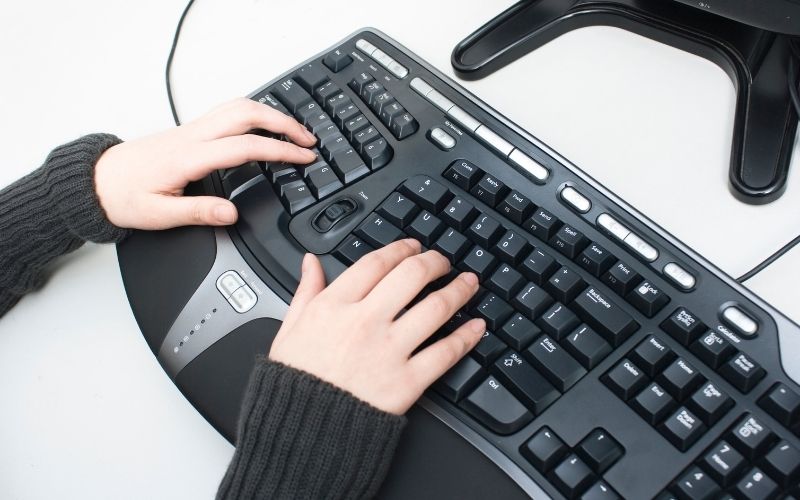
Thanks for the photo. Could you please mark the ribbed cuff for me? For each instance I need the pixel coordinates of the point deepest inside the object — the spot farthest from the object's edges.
(70, 176)
(301, 437)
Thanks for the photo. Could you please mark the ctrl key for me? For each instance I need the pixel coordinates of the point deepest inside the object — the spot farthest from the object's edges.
(492, 405)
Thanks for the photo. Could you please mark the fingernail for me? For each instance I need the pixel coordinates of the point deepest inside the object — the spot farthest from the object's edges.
(478, 326)
(311, 137)
(470, 278)
(226, 214)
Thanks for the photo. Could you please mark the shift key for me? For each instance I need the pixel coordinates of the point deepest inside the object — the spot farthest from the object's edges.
(605, 316)
(554, 362)
(530, 386)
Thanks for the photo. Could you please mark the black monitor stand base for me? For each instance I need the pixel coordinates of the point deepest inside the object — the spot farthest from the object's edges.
(756, 60)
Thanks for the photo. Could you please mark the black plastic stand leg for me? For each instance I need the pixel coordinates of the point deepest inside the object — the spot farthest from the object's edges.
(765, 123)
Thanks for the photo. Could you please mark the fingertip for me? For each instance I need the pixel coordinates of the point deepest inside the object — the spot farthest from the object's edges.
(225, 213)
(414, 244)
(477, 326)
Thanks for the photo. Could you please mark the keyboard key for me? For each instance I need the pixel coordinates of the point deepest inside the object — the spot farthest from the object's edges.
(426, 228)
(505, 282)
(352, 249)
(682, 429)
(333, 144)
(316, 123)
(599, 450)
(538, 266)
(511, 248)
(684, 326)
(696, 484)
(596, 259)
(459, 214)
(452, 245)
(493, 406)
(516, 207)
(480, 262)
(783, 404)
(600, 491)
(274, 170)
(532, 300)
(291, 95)
(463, 174)
(494, 310)
(364, 137)
(426, 192)
(625, 379)
(572, 476)
(485, 231)
(488, 349)
(553, 362)
(370, 91)
(710, 403)
(565, 284)
(490, 190)
(355, 125)
(377, 153)
(680, 379)
(271, 101)
(713, 349)
(345, 113)
(522, 379)
(296, 197)
(348, 165)
(459, 380)
(652, 355)
(310, 77)
(586, 346)
(378, 232)
(542, 224)
(648, 299)
(323, 181)
(742, 372)
(782, 463)
(390, 111)
(653, 404)
(381, 100)
(518, 332)
(358, 82)
(755, 485)
(403, 125)
(325, 91)
(337, 60)
(544, 449)
(310, 112)
(751, 437)
(398, 209)
(723, 463)
(604, 315)
(621, 278)
(569, 241)
(558, 321)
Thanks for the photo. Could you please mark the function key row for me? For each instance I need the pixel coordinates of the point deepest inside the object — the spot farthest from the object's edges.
(382, 58)
(500, 146)
(384, 105)
(567, 240)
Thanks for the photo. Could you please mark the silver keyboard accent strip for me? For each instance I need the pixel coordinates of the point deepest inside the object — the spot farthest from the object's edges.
(530, 165)
(439, 100)
(613, 226)
(463, 118)
(365, 47)
(641, 247)
(421, 86)
(496, 142)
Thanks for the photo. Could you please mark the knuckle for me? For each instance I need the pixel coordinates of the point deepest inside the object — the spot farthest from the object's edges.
(197, 212)
(415, 267)
(377, 261)
(439, 305)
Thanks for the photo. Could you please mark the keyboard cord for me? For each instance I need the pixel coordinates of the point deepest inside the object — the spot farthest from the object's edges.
(794, 84)
(169, 62)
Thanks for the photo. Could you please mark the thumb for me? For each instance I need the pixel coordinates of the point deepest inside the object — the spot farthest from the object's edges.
(312, 281)
(174, 211)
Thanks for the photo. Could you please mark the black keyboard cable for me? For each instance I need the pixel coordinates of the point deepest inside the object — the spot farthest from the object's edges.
(794, 92)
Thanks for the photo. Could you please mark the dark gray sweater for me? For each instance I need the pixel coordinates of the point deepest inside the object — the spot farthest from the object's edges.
(298, 436)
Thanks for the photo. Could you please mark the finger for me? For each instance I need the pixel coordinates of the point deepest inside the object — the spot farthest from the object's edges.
(405, 282)
(164, 212)
(205, 157)
(357, 281)
(242, 115)
(433, 361)
(419, 322)
(312, 281)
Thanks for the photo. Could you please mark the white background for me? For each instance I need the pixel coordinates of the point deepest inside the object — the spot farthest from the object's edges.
(85, 410)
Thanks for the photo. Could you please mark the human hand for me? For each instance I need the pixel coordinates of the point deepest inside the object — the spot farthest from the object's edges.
(140, 183)
(349, 334)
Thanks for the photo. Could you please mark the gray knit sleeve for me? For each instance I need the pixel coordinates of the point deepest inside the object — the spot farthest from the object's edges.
(300, 438)
(50, 212)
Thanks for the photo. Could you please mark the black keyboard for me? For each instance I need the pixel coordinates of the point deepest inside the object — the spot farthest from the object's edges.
(616, 362)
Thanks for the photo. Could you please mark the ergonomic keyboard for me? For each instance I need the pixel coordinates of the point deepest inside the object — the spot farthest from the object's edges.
(616, 361)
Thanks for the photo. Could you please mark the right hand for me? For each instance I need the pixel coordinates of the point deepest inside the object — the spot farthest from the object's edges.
(349, 334)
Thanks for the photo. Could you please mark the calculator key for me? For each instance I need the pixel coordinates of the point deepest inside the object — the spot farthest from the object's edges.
(586, 346)
(337, 60)
(742, 372)
(653, 404)
(652, 355)
(544, 449)
(625, 379)
(682, 429)
(492, 405)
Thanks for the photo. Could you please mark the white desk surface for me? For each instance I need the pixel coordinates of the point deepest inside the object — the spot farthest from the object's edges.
(86, 412)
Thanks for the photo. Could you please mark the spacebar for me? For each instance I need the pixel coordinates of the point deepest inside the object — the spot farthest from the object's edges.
(612, 322)
(496, 408)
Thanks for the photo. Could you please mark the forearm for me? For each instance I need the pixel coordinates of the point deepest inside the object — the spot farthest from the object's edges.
(301, 437)
(50, 212)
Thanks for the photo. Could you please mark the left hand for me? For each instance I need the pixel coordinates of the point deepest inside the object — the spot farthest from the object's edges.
(140, 183)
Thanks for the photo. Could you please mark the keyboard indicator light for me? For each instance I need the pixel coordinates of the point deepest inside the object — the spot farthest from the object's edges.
(576, 200)
(736, 318)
